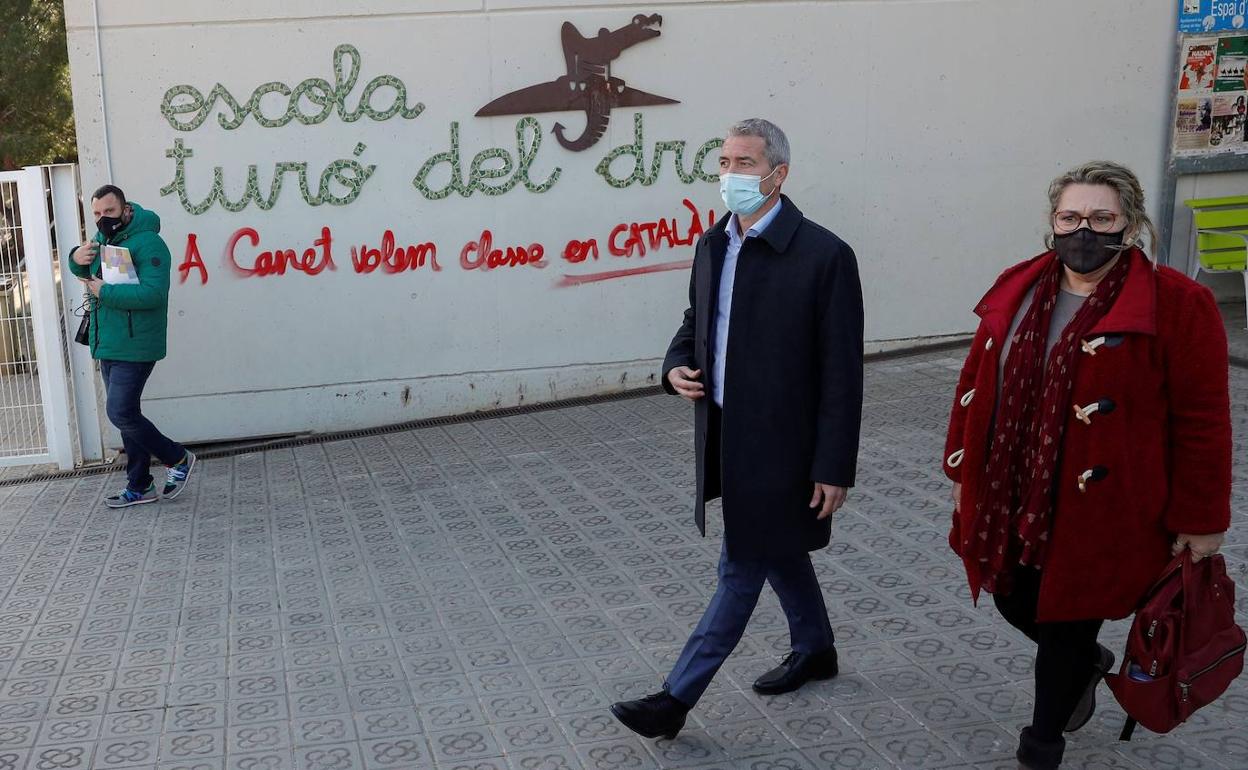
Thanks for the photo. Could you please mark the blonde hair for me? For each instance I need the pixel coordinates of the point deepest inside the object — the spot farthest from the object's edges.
(1130, 195)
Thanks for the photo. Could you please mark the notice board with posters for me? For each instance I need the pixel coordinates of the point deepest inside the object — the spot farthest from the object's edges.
(1209, 120)
(1211, 104)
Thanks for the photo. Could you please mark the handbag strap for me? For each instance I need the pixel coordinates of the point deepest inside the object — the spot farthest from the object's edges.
(1176, 565)
(1128, 729)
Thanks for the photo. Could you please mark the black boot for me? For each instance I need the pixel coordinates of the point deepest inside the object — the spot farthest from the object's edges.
(654, 716)
(1036, 754)
(796, 670)
(1087, 704)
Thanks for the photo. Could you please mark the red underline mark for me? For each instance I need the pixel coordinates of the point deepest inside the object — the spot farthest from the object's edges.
(577, 280)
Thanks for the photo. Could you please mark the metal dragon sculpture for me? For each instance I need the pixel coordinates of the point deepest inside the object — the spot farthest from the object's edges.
(589, 85)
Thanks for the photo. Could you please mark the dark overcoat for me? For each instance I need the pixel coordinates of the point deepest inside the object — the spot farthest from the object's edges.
(1160, 439)
(793, 381)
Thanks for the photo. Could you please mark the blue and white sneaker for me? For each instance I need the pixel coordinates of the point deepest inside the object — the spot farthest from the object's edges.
(129, 497)
(175, 480)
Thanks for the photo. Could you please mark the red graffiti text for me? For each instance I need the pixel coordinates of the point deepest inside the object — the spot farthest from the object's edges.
(312, 261)
(633, 238)
(578, 251)
(481, 255)
(393, 260)
(192, 261)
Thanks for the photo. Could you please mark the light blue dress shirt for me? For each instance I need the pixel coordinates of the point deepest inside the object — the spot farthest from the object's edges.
(724, 309)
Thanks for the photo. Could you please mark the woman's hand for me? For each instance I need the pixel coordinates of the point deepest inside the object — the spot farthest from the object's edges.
(957, 497)
(1200, 545)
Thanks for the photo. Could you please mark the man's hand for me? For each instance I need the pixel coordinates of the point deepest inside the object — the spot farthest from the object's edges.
(828, 499)
(85, 254)
(957, 496)
(685, 381)
(1200, 545)
(93, 285)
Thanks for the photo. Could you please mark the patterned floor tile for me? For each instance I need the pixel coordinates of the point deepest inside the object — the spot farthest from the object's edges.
(473, 597)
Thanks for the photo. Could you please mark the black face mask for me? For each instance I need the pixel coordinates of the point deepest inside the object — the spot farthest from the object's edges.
(110, 226)
(1085, 250)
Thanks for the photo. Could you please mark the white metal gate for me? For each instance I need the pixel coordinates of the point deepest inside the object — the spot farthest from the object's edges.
(36, 424)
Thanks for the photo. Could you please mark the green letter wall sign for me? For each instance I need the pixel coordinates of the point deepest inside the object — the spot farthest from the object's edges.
(638, 148)
(186, 100)
(492, 163)
(348, 174)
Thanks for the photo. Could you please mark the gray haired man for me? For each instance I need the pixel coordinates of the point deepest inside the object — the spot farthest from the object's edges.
(770, 354)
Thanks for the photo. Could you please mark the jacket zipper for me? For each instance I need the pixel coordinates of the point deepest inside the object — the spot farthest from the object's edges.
(130, 322)
(1185, 686)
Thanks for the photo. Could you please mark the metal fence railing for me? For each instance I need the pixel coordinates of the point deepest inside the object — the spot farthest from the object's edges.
(34, 400)
(22, 429)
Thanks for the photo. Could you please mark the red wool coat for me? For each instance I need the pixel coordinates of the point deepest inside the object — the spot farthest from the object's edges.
(1159, 446)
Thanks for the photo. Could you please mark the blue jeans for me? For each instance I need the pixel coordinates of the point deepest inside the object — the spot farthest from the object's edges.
(723, 623)
(123, 382)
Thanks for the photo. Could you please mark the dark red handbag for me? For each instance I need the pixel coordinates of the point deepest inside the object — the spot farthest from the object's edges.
(1184, 648)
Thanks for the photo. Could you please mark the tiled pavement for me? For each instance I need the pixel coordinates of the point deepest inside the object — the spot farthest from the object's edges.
(1236, 333)
(473, 596)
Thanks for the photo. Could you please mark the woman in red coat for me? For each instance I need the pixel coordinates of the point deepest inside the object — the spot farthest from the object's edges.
(1090, 439)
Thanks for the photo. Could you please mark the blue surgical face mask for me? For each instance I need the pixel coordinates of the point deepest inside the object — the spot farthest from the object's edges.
(741, 194)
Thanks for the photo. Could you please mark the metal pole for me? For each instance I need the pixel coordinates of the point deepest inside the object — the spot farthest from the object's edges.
(67, 219)
(99, 68)
(1169, 177)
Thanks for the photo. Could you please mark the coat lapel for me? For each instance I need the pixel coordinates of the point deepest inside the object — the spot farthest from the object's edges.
(717, 249)
(1135, 310)
(1003, 300)
(778, 236)
(780, 232)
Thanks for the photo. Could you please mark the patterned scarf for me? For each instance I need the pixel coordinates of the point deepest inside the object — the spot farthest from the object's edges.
(1014, 512)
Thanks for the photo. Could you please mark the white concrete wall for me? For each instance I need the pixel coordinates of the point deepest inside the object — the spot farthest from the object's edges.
(924, 133)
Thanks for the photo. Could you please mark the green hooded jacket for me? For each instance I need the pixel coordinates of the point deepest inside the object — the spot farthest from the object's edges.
(129, 322)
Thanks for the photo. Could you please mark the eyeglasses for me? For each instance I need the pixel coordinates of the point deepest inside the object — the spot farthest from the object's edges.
(1099, 221)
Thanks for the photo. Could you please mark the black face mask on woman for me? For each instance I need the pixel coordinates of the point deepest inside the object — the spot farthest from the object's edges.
(1085, 250)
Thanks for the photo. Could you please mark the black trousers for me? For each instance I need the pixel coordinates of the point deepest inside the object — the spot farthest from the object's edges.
(1066, 653)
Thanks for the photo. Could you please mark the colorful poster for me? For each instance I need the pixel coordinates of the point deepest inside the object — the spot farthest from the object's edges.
(1227, 126)
(1199, 58)
(1197, 16)
(117, 266)
(1231, 64)
(1192, 124)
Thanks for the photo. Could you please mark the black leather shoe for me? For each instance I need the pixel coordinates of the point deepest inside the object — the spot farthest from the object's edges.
(654, 716)
(1087, 703)
(796, 670)
(1037, 754)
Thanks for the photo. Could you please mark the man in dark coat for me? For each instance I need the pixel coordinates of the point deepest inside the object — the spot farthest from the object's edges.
(770, 354)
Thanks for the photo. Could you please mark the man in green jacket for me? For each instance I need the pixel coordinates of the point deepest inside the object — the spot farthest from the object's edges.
(127, 336)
